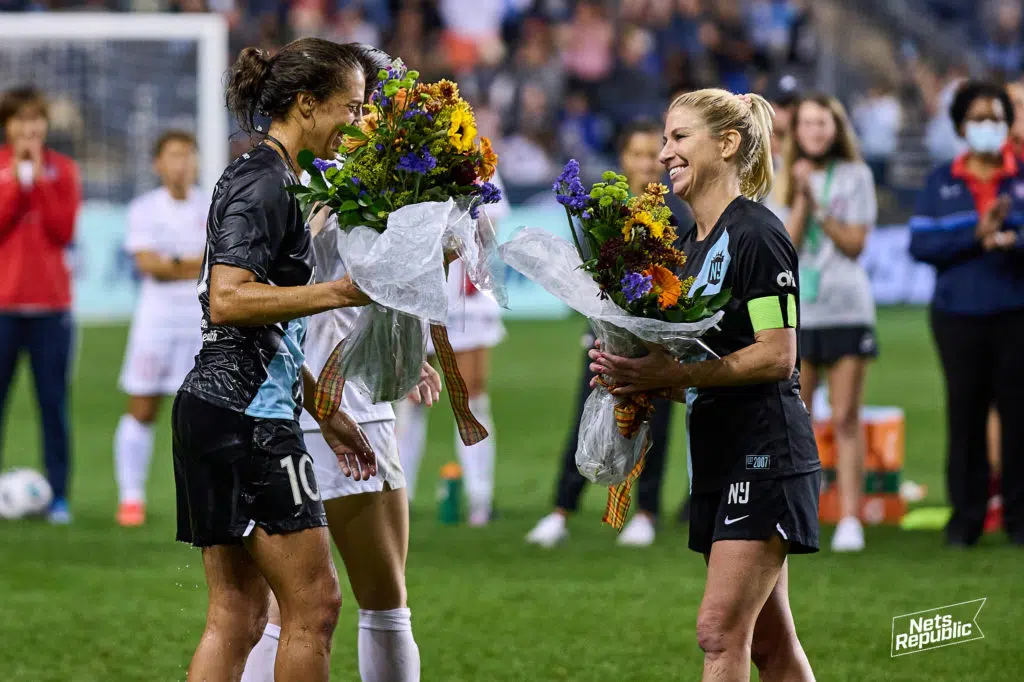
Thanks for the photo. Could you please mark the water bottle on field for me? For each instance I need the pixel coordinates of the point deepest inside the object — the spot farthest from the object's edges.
(449, 494)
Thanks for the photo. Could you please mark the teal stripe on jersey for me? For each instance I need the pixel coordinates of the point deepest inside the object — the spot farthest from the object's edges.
(276, 396)
(713, 269)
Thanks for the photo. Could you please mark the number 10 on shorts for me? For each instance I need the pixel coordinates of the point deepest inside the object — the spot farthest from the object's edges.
(305, 464)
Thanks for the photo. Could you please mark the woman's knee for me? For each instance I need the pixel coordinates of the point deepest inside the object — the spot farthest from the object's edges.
(316, 607)
(719, 629)
(846, 419)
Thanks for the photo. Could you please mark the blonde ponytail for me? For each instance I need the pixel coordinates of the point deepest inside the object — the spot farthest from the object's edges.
(757, 173)
(751, 116)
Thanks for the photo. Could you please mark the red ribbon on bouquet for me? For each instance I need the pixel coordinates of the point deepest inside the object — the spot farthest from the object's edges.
(331, 384)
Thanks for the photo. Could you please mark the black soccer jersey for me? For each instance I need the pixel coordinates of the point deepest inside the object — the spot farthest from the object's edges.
(256, 225)
(760, 430)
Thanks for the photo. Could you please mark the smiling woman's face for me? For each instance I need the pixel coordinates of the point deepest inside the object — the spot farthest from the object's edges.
(690, 155)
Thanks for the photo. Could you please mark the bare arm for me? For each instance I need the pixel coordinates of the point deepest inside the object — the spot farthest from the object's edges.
(770, 358)
(796, 223)
(164, 269)
(236, 298)
(848, 238)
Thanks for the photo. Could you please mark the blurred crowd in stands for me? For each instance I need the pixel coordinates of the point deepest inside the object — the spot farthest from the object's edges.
(554, 78)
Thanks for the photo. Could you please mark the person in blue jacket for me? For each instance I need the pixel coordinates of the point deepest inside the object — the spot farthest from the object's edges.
(968, 224)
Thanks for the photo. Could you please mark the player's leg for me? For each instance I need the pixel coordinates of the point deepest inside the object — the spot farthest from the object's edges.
(846, 393)
(477, 460)
(371, 530)
(299, 569)
(775, 648)
(11, 340)
(133, 450)
(411, 428)
(551, 529)
(235, 615)
(259, 666)
(994, 513)
(50, 339)
(147, 374)
(741, 576)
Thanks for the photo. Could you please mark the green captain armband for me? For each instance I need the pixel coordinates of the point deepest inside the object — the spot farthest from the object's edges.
(767, 313)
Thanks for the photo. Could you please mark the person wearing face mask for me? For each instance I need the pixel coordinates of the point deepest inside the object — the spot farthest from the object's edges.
(968, 224)
(40, 193)
(829, 206)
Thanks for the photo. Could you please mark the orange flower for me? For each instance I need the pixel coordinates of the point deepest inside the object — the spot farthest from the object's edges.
(489, 162)
(665, 284)
(368, 125)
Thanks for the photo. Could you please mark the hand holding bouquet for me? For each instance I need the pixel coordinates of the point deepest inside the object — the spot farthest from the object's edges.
(406, 190)
(621, 274)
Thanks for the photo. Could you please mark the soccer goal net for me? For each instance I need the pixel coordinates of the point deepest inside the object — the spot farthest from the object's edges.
(115, 82)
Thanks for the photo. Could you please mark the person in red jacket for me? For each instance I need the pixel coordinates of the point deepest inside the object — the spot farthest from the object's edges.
(40, 195)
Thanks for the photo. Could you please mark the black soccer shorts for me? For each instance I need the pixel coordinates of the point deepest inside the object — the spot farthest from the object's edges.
(233, 472)
(757, 510)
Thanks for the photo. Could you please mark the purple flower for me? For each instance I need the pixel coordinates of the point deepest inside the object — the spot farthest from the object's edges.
(568, 189)
(323, 164)
(414, 163)
(587, 215)
(490, 193)
(379, 147)
(635, 286)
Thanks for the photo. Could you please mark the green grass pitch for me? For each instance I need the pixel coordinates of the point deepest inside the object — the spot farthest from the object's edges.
(94, 602)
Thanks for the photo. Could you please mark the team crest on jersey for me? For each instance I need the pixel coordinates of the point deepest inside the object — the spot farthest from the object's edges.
(716, 268)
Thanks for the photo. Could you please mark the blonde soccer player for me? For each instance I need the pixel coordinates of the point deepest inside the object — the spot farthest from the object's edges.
(166, 236)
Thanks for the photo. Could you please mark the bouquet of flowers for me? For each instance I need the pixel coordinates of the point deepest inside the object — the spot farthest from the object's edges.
(406, 189)
(620, 272)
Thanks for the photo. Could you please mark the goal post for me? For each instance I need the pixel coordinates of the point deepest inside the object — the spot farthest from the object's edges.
(115, 83)
(209, 31)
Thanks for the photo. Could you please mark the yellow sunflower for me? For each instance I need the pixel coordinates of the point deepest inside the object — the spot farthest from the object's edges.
(462, 130)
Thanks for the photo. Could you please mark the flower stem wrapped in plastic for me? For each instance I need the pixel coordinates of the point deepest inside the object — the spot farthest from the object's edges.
(619, 273)
(406, 190)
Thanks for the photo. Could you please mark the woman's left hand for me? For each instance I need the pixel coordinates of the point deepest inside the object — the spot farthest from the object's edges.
(655, 370)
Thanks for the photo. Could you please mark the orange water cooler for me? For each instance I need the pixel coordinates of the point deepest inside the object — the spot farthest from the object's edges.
(883, 467)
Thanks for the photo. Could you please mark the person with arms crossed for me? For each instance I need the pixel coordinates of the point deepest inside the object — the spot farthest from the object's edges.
(40, 194)
(166, 236)
(829, 207)
(246, 491)
(968, 225)
(368, 519)
(754, 470)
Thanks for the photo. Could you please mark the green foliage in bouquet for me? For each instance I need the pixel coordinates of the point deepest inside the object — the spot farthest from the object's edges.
(630, 247)
(416, 143)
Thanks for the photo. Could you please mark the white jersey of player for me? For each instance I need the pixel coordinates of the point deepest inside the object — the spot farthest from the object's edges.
(327, 329)
(160, 223)
(165, 335)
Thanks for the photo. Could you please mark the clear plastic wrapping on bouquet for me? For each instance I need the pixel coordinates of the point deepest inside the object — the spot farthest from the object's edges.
(603, 454)
(402, 270)
(384, 353)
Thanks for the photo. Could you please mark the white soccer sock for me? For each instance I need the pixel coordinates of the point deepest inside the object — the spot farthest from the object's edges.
(411, 431)
(133, 449)
(478, 460)
(260, 665)
(387, 649)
